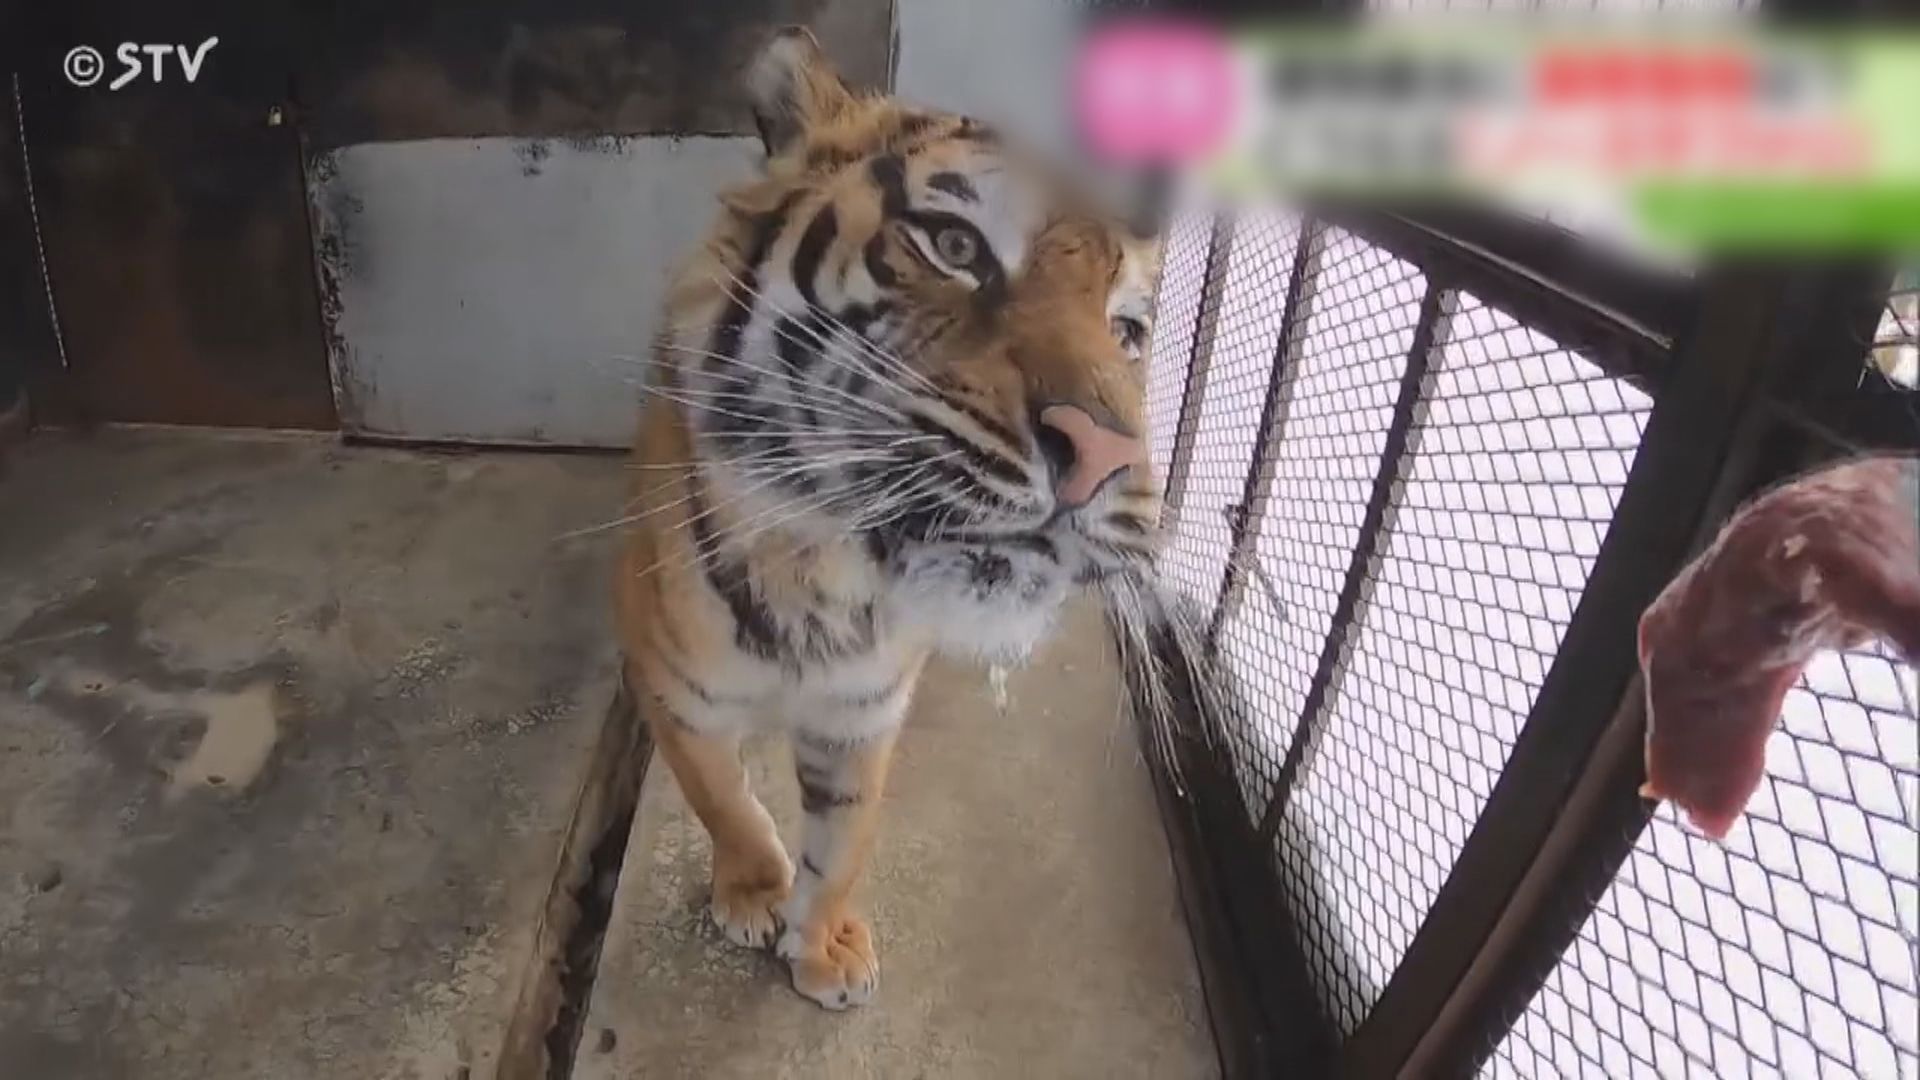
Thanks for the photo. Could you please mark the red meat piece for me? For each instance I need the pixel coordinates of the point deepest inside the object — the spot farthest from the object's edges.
(1830, 560)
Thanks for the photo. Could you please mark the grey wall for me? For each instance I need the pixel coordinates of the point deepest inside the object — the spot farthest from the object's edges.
(478, 281)
(480, 289)
(486, 290)
(1004, 61)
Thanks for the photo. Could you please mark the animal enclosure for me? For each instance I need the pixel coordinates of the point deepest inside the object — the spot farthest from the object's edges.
(1425, 474)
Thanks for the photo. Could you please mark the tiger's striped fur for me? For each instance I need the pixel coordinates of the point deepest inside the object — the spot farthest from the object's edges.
(871, 436)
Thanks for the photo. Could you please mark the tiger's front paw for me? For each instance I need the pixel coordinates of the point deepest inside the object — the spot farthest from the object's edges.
(746, 905)
(836, 965)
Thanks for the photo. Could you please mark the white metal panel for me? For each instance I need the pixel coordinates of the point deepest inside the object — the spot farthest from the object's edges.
(484, 290)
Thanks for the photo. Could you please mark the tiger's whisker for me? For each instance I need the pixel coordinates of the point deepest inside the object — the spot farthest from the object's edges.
(760, 483)
(866, 404)
(736, 533)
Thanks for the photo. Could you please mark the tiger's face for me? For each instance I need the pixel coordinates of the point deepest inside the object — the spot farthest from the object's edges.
(923, 338)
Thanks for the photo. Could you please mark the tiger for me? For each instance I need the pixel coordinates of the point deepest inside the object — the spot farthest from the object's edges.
(895, 409)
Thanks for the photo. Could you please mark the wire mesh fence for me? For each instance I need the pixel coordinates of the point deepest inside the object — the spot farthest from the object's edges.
(1333, 393)
(1788, 951)
(1514, 464)
(1391, 493)
(1895, 349)
(1228, 370)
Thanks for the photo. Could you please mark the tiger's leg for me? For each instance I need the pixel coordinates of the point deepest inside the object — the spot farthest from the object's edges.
(827, 945)
(751, 872)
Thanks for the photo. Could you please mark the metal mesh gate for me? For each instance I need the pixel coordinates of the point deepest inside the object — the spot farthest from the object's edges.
(1390, 482)
(1787, 951)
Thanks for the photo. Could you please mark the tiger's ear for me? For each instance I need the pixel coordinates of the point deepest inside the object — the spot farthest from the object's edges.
(794, 88)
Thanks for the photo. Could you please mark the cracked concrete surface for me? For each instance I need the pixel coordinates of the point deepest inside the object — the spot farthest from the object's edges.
(1021, 896)
(290, 738)
(290, 734)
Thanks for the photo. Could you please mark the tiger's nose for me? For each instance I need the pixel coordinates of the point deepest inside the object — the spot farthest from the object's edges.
(1083, 453)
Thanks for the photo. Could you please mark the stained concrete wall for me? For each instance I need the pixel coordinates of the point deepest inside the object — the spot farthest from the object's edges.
(480, 290)
(505, 290)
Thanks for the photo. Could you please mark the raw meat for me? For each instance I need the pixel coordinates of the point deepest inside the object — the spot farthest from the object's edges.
(1830, 560)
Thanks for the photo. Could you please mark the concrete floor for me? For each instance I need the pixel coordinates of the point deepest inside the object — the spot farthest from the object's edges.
(290, 738)
(296, 741)
(1021, 899)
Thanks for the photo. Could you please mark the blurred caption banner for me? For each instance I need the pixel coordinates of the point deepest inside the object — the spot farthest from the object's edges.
(1694, 137)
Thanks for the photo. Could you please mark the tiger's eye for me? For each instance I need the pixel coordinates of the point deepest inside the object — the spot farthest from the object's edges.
(956, 246)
